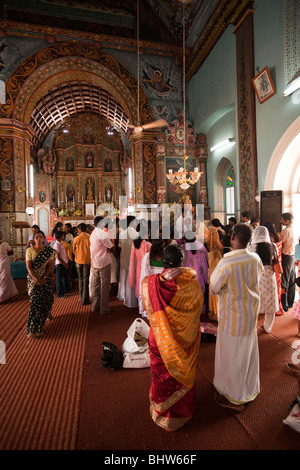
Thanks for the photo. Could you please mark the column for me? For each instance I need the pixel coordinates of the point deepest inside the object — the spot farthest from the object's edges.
(246, 114)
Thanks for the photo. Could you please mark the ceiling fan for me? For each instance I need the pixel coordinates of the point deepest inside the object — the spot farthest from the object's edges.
(151, 125)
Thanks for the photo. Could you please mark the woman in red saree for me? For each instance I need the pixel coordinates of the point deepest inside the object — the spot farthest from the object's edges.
(173, 301)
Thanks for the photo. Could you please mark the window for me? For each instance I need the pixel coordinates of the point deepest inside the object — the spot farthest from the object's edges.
(230, 195)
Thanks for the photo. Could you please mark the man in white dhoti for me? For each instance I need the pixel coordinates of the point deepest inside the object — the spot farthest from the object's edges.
(235, 280)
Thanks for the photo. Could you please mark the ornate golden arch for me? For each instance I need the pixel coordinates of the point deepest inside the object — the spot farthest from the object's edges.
(74, 50)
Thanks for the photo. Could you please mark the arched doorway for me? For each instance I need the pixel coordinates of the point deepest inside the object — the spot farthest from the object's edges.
(224, 191)
(283, 172)
(55, 84)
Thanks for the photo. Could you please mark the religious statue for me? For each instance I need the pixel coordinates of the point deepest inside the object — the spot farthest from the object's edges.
(90, 196)
(42, 196)
(47, 161)
(108, 194)
(70, 194)
(89, 160)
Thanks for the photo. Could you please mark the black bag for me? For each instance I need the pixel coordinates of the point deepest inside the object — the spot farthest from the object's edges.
(111, 356)
(298, 281)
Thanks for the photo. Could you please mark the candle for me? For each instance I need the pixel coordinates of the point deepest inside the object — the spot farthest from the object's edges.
(195, 170)
(170, 171)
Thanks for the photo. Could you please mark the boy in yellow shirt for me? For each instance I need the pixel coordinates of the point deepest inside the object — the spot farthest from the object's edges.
(81, 249)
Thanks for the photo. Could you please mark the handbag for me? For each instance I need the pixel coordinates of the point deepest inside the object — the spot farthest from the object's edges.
(277, 266)
(135, 347)
(137, 337)
(136, 360)
(111, 358)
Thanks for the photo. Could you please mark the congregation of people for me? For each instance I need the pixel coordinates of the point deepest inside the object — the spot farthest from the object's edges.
(225, 272)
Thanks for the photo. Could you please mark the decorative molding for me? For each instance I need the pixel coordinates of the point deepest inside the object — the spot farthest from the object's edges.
(228, 12)
(13, 28)
(71, 49)
(291, 39)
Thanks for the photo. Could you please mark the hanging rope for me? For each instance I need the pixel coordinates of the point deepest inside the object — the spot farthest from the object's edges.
(183, 74)
(138, 61)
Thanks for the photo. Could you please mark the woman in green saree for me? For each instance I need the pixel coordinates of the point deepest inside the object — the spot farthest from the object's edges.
(40, 261)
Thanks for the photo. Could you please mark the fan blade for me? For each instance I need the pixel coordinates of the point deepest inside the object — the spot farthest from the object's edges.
(150, 125)
(154, 124)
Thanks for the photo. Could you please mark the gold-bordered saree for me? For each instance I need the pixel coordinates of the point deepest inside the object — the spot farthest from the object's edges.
(173, 301)
(41, 297)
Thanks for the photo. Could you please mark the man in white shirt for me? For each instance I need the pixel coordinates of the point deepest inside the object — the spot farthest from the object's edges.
(236, 281)
(61, 265)
(246, 217)
(288, 262)
(100, 246)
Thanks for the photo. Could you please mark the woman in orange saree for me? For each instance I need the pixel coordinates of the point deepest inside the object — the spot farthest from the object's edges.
(215, 253)
(173, 301)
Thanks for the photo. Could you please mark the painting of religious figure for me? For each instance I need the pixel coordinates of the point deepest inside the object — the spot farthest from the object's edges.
(89, 160)
(157, 80)
(263, 85)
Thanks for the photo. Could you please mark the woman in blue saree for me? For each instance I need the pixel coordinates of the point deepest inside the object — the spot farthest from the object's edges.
(40, 260)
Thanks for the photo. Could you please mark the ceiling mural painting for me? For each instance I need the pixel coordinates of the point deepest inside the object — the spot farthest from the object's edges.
(113, 25)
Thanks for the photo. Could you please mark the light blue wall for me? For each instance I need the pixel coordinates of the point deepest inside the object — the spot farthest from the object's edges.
(212, 93)
(212, 104)
(274, 116)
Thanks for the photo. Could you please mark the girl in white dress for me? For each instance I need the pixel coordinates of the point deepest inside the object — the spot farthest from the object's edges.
(262, 245)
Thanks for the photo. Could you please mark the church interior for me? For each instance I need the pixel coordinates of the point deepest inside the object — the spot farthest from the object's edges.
(100, 102)
(153, 103)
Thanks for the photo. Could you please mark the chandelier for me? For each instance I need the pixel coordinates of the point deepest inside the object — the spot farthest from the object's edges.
(182, 177)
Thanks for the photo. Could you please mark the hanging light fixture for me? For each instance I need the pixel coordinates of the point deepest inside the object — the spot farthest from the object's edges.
(182, 177)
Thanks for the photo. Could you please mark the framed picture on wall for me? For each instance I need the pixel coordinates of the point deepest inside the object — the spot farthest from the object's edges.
(263, 85)
(90, 209)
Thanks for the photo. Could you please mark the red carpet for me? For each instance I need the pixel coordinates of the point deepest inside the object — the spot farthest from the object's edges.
(41, 381)
(115, 405)
(55, 395)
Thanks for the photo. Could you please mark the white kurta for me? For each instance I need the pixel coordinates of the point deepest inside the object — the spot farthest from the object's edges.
(125, 292)
(236, 281)
(7, 286)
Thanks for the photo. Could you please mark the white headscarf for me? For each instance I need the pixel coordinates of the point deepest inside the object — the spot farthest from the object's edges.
(260, 235)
